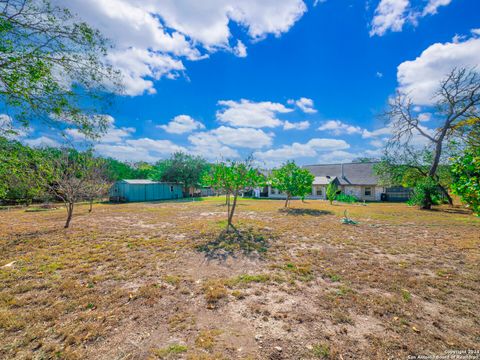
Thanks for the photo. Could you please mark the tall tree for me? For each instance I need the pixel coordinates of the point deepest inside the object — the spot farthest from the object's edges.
(234, 178)
(292, 180)
(456, 100)
(52, 67)
(181, 168)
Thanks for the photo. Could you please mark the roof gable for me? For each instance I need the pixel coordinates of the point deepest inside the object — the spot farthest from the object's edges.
(353, 173)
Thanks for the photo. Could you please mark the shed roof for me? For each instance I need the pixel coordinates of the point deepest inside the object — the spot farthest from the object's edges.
(139, 181)
(352, 173)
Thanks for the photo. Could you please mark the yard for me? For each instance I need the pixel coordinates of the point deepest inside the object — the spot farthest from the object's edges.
(155, 280)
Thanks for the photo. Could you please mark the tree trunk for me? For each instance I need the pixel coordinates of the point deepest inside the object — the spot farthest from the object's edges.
(69, 214)
(286, 202)
(230, 215)
(91, 206)
(447, 195)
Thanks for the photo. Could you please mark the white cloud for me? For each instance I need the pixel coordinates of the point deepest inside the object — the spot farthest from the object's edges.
(385, 131)
(153, 36)
(238, 137)
(392, 15)
(423, 117)
(389, 15)
(42, 141)
(124, 152)
(245, 113)
(298, 150)
(208, 145)
(304, 104)
(113, 134)
(182, 124)
(337, 127)
(433, 6)
(420, 78)
(240, 50)
(301, 125)
(379, 75)
(337, 156)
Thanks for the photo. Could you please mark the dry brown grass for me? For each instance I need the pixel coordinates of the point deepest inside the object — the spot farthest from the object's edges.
(129, 281)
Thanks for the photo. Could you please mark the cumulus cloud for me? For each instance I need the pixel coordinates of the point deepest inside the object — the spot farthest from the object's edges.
(113, 133)
(304, 104)
(209, 146)
(337, 127)
(420, 78)
(246, 113)
(392, 15)
(389, 15)
(301, 125)
(239, 137)
(42, 141)
(182, 124)
(152, 37)
(433, 6)
(240, 50)
(300, 150)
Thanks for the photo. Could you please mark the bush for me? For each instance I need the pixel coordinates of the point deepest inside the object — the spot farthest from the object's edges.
(425, 194)
(346, 198)
(466, 182)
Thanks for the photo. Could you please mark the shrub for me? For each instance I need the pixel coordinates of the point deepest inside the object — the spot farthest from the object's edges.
(425, 194)
(466, 174)
(346, 198)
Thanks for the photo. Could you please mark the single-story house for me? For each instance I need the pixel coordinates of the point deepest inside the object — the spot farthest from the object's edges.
(144, 190)
(357, 179)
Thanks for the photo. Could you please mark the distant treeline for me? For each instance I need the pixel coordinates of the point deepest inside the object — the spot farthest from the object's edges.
(26, 173)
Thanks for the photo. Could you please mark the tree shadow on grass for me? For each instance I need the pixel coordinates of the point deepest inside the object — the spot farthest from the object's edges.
(247, 242)
(300, 212)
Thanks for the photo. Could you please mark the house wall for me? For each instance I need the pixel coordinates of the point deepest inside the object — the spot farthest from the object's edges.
(356, 190)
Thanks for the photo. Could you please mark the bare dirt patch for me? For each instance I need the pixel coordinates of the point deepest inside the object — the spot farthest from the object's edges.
(137, 281)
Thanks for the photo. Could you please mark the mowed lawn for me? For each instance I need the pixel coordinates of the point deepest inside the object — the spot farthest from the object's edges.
(155, 280)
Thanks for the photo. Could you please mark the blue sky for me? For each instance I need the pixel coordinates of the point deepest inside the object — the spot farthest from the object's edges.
(283, 79)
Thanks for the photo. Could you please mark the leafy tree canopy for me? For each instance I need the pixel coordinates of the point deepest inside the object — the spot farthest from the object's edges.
(292, 180)
(52, 67)
(466, 178)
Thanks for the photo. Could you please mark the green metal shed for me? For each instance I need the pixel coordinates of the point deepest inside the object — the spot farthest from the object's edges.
(144, 190)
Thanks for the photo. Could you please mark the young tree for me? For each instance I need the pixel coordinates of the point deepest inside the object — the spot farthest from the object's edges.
(331, 192)
(466, 178)
(72, 173)
(181, 168)
(292, 180)
(234, 178)
(52, 66)
(457, 100)
(97, 183)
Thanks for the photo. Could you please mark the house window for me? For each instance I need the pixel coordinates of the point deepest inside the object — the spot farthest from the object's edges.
(319, 191)
(171, 188)
(368, 191)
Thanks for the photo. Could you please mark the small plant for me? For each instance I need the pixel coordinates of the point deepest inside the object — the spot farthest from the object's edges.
(214, 291)
(321, 351)
(171, 349)
(332, 190)
(406, 295)
(206, 339)
(349, 199)
(346, 220)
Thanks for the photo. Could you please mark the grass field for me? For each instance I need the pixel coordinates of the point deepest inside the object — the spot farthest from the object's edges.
(157, 280)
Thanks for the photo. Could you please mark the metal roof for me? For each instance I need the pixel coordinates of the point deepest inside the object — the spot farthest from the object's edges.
(145, 182)
(351, 174)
